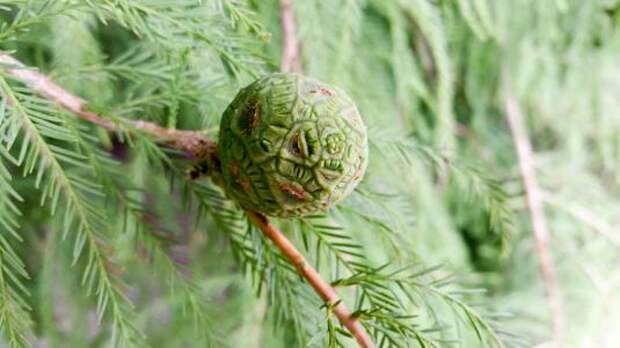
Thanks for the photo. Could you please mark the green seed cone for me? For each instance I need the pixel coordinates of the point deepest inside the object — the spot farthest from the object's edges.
(291, 146)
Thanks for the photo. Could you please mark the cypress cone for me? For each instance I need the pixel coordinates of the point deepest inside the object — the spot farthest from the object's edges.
(290, 146)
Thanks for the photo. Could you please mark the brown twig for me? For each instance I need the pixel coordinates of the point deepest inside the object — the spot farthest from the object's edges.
(325, 291)
(291, 57)
(536, 207)
(192, 143)
(195, 144)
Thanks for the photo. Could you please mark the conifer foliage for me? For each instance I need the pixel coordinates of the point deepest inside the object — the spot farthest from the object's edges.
(107, 240)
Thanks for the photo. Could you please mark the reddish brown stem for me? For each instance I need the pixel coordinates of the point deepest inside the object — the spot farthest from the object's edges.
(322, 288)
(535, 203)
(291, 57)
(193, 143)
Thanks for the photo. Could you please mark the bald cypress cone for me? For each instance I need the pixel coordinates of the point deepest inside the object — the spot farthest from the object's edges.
(291, 146)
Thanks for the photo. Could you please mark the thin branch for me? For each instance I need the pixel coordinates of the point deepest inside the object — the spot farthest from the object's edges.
(291, 57)
(193, 143)
(322, 288)
(540, 231)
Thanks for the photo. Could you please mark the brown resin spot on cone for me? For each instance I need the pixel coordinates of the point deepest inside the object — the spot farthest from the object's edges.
(250, 117)
(326, 91)
(255, 117)
(293, 191)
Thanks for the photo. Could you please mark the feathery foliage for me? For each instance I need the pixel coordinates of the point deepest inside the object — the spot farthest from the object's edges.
(104, 240)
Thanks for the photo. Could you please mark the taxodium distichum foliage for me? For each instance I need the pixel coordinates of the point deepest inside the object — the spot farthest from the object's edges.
(416, 168)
